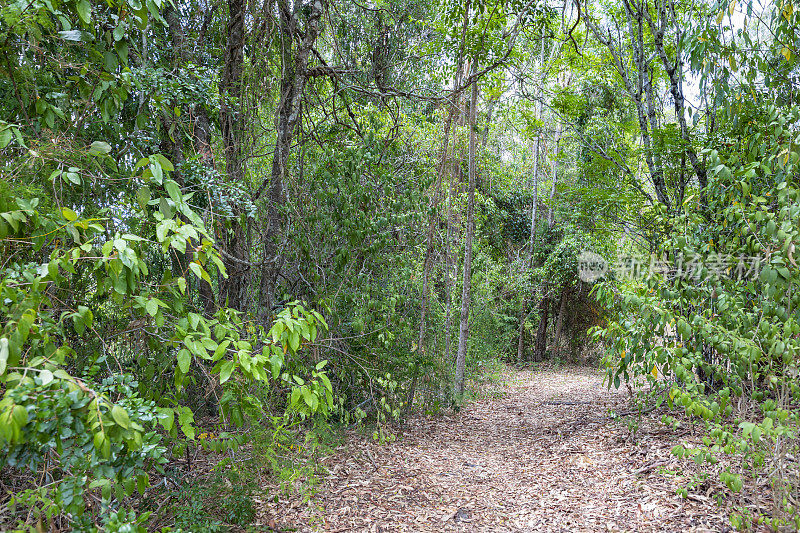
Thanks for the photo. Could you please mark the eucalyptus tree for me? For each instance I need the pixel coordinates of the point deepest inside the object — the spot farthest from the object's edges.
(645, 42)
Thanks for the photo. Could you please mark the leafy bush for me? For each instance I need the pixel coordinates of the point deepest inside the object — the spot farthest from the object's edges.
(726, 330)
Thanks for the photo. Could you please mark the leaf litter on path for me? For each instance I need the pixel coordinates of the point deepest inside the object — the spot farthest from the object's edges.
(542, 457)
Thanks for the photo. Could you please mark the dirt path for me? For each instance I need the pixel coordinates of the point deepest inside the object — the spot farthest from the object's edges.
(541, 457)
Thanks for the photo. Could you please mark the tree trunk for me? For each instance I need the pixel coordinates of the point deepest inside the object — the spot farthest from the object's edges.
(294, 74)
(637, 88)
(461, 357)
(560, 322)
(541, 332)
(432, 220)
(531, 246)
(665, 15)
(555, 176)
(202, 146)
(432, 216)
(233, 290)
(455, 181)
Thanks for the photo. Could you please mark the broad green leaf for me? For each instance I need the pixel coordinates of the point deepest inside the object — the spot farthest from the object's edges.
(99, 148)
(166, 417)
(225, 371)
(3, 355)
(120, 416)
(68, 214)
(173, 190)
(165, 163)
(84, 9)
(184, 360)
(20, 415)
(46, 376)
(5, 137)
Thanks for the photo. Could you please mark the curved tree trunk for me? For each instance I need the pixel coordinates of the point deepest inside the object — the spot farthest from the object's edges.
(294, 75)
(463, 336)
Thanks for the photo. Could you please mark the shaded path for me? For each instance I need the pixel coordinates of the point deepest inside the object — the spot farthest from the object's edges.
(543, 457)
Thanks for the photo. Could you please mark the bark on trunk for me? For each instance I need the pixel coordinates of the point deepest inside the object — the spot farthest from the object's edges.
(523, 315)
(666, 16)
(531, 247)
(233, 290)
(541, 332)
(432, 220)
(451, 111)
(560, 323)
(463, 336)
(294, 74)
(202, 146)
(455, 181)
(555, 177)
(640, 90)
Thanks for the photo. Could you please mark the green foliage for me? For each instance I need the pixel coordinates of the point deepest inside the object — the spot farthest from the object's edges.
(721, 333)
(222, 501)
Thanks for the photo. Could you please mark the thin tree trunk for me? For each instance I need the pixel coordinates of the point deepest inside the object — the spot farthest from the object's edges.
(455, 181)
(521, 335)
(202, 142)
(555, 176)
(541, 332)
(665, 15)
(432, 217)
(294, 74)
(233, 289)
(531, 246)
(489, 113)
(463, 336)
(448, 281)
(635, 87)
(560, 322)
(523, 315)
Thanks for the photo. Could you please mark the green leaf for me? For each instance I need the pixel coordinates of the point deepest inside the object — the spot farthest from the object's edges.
(46, 376)
(308, 396)
(199, 271)
(173, 190)
(5, 137)
(68, 214)
(84, 9)
(184, 360)
(20, 415)
(165, 163)
(13, 222)
(3, 355)
(219, 352)
(98, 439)
(120, 416)
(99, 148)
(166, 417)
(225, 371)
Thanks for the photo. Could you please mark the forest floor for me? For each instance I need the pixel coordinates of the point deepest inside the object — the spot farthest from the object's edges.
(535, 452)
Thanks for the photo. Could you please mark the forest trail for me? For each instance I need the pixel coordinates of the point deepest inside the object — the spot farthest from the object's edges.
(537, 453)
